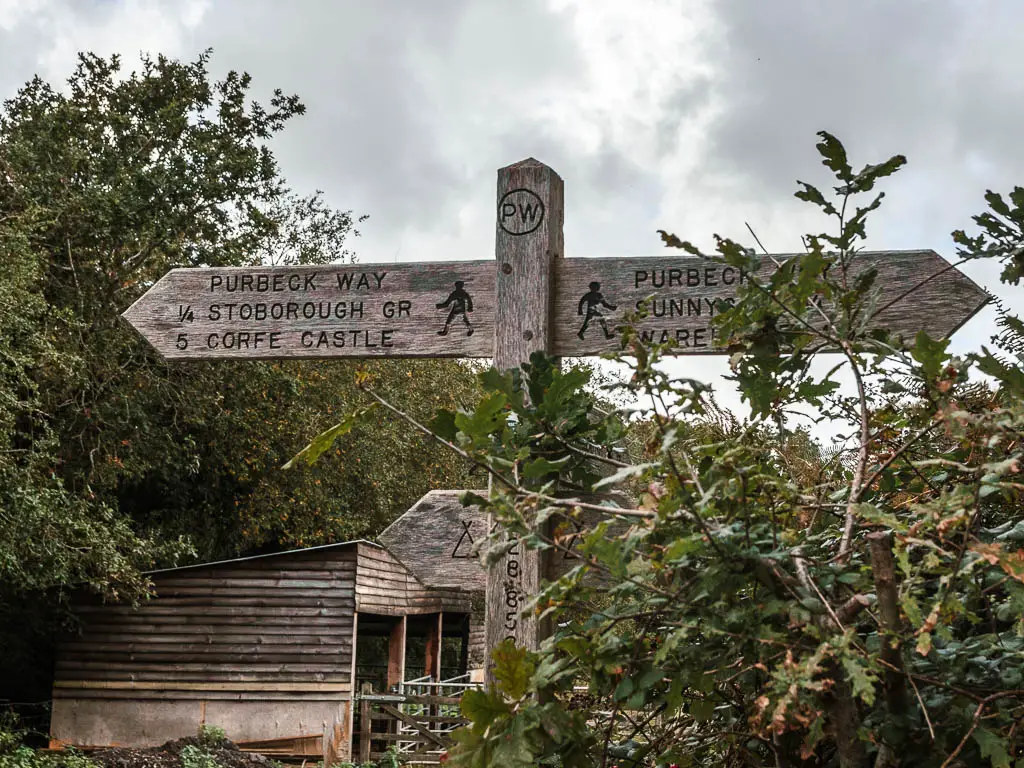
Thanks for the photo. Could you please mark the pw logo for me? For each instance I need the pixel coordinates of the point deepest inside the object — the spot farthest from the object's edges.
(520, 212)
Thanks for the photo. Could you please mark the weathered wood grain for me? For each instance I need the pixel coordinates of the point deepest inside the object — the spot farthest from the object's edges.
(528, 242)
(396, 653)
(324, 670)
(438, 539)
(225, 622)
(156, 694)
(432, 664)
(385, 586)
(248, 583)
(326, 311)
(432, 539)
(154, 610)
(204, 601)
(191, 314)
(196, 673)
(365, 730)
(203, 650)
(228, 627)
(349, 719)
(477, 650)
(202, 686)
(246, 591)
(264, 639)
(444, 719)
(683, 290)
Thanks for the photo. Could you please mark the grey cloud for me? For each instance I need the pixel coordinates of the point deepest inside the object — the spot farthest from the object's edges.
(392, 91)
(613, 202)
(938, 81)
(608, 195)
(875, 73)
(683, 101)
(17, 55)
(412, 105)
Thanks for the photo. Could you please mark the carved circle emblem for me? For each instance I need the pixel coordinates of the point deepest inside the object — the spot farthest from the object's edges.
(520, 212)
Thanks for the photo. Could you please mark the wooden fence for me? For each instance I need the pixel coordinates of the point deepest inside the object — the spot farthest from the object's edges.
(418, 726)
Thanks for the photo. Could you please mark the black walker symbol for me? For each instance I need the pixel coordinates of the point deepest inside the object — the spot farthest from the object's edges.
(461, 303)
(594, 301)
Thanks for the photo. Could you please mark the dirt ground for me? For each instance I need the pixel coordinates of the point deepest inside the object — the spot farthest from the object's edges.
(169, 755)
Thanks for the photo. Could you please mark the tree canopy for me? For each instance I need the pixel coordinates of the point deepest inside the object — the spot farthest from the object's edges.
(113, 460)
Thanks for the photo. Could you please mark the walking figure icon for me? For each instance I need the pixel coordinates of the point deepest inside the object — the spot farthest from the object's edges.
(460, 303)
(594, 300)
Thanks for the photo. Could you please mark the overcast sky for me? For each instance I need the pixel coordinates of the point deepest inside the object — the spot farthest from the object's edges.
(683, 115)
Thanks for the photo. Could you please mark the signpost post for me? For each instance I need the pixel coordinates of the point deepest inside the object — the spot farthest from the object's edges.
(531, 298)
(528, 247)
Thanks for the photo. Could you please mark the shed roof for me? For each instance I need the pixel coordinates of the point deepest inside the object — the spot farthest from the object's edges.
(303, 550)
(437, 540)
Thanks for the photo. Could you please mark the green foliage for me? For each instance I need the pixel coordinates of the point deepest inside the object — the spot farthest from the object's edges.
(211, 736)
(26, 757)
(389, 760)
(1001, 235)
(14, 753)
(193, 756)
(508, 729)
(112, 460)
(326, 440)
(764, 601)
(104, 188)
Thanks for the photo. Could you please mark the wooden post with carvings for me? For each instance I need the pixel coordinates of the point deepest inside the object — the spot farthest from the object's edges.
(528, 242)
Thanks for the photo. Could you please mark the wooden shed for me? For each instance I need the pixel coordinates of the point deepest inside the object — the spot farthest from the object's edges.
(270, 648)
(439, 540)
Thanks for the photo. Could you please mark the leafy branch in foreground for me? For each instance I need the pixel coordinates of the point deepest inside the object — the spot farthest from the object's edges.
(768, 602)
(783, 606)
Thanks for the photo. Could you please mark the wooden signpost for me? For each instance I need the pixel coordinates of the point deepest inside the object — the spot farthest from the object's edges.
(531, 298)
(377, 310)
(449, 309)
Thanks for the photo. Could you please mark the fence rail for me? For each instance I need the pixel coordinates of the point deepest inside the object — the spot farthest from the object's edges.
(427, 686)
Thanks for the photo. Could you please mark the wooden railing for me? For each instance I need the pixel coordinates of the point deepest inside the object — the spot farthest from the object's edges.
(419, 727)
